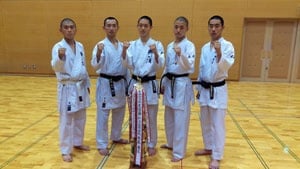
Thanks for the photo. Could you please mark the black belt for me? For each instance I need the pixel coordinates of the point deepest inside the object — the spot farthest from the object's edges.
(172, 77)
(112, 79)
(145, 79)
(210, 86)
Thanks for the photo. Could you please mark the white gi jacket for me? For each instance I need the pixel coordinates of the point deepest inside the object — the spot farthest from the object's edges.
(72, 76)
(141, 61)
(211, 71)
(110, 64)
(179, 65)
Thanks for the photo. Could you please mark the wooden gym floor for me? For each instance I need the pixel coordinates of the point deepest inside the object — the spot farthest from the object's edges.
(263, 129)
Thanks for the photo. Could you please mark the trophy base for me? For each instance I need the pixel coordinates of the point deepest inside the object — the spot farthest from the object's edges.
(134, 166)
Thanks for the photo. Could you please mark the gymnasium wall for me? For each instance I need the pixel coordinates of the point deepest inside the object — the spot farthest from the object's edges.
(29, 28)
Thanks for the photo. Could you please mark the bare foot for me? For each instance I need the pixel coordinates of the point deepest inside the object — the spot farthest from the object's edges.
(165, 146)
(121, 141)
(202, 152)
(67, 157)
(103, 152)
(82, 147)
(151, 151)
(214, 164)
(174, 159)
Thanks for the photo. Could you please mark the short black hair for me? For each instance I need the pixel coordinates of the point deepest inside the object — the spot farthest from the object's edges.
(218, 18)
(147, 18)
(183, 19)
(67, 19)
(110, 18)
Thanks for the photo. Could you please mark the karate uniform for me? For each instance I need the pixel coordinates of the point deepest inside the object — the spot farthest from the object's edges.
(110, 65)
(213, 110)
(141, 61)
(177, 100)
(73, 96)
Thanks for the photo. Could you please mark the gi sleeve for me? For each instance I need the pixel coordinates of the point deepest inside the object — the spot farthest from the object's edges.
(226, 61)
(58, 65)
(187, 58)
(161, 55)
(128, 62)
(97, 65)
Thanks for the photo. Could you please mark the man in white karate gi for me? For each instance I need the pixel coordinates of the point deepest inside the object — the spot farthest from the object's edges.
(68, 62)
(111, 86)
(144, 57)
(177, 89)
(217, 56)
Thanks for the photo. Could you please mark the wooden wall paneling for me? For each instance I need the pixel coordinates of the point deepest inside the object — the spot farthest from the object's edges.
(42, 19)
(271, 8)
(3, 57)
(25, 36)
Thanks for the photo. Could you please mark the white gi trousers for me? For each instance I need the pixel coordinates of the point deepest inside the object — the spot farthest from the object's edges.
(102, 125)
(213, 130)
(177, 127)
(152, 114)
(71, 130)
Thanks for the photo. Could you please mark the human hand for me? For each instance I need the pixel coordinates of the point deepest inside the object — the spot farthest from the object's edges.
(153, 48)
(162, 90)
(100, 47)
(61, 53)
(177, 50)
(198, 95)
(217, 46)
(126, 45)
